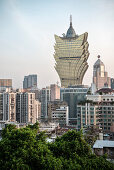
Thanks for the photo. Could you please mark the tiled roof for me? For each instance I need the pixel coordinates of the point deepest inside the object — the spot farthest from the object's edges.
(103, 143)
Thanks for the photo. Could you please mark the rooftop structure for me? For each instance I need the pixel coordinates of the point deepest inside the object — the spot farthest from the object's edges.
(103, 143)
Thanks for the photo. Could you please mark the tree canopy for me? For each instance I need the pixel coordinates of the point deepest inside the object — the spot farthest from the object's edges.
(26, 148)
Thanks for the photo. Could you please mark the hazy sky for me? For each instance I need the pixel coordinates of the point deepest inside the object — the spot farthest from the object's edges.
(27, 29)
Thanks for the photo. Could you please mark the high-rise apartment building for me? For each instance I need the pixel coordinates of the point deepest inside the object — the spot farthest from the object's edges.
(1, 106)
(112, 83)
(100, 76)
(71, 54)
(30, 81)
(27, 108)
(55, 92)
(45, 98)
(19, 106)
(8, 106)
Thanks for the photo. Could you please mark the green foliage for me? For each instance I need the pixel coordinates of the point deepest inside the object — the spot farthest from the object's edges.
(70, 145)
(28, 150)
(91, 135)
(34, 127)
(7, 130)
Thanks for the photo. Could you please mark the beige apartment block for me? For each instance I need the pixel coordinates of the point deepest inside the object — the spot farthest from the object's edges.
(55, 92)
(12, 107)
(8, 106)
(37, 110)
(19, 106)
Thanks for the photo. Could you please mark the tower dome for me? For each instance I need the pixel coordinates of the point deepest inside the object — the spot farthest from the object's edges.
(71, 32)
(98, 62)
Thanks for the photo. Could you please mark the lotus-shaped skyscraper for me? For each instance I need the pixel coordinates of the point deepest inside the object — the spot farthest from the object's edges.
(71, 54)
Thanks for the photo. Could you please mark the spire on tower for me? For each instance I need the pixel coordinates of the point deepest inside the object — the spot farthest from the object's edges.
(70, 32)
(70, 20)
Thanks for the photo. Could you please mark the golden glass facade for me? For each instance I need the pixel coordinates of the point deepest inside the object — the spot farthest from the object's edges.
(71, 54)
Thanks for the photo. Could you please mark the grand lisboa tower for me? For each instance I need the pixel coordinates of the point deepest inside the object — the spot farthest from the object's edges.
(71, 54)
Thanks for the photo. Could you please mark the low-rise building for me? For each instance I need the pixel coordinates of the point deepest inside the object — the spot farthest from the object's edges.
(60, 115)
(48, 127)
(102, 147)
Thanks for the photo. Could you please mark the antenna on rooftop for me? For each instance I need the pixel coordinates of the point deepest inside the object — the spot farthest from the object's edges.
(71, 20)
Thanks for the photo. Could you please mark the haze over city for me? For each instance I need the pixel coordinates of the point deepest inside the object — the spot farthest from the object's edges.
(27, 36)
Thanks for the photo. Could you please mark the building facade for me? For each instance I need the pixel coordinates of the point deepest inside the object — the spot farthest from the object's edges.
(19, 106)
(53, 105)
(27, 108)
(60, 116)
(30, 81)
(100, 76)
(55, 92)
(8, 106)
(112, 83)
(45, 98)
(71, 54)
(72, 96)
(97, 110)
(5, 82)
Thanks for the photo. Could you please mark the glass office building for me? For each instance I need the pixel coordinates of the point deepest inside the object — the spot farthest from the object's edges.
(73, 96)
(71, 54)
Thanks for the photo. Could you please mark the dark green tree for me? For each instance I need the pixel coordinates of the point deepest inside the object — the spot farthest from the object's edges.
(26, 148)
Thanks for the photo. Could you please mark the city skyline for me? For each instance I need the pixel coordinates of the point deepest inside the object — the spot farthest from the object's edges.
(27, 36)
